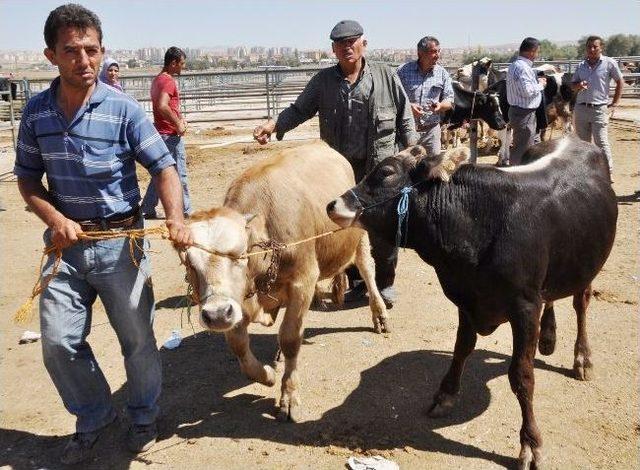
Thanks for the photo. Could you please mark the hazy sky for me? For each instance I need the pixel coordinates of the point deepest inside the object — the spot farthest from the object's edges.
(306, 24)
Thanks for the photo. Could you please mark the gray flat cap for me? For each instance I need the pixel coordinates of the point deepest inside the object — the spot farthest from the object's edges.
(346, 29)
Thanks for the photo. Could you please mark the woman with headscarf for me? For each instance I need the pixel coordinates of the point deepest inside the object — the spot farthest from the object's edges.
(110, 73)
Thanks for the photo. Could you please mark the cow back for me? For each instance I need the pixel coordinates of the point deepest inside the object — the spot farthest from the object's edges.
(290, 190)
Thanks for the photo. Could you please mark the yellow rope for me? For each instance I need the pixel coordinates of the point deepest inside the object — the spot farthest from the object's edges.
(25, 313)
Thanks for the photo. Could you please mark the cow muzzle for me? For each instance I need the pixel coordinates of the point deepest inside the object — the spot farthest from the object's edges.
(221, 315)
(340, 212)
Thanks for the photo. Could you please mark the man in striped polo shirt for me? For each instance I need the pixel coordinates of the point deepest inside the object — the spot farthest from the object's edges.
(86, 137)
(524, 94)
(428, 86)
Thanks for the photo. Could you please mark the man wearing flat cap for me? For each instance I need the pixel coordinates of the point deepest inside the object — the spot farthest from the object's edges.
(364, 114)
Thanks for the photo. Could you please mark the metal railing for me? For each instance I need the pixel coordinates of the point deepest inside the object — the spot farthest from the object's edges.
(247, 95)
(11, 126)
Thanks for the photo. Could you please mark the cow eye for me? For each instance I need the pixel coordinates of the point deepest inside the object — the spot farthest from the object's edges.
(387, 171)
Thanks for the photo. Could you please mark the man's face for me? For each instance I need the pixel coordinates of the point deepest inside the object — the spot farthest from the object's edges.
(429, 57)
(178, 65)
(349, 50)
(78, 55)
(594, 50)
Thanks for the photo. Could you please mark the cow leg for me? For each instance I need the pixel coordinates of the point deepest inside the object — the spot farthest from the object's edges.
(582, 365)
(547, 341)
(444, 399)
(238, 339)
(290, 339)
(366, 266)
(505, 142)
(525, 328)
(267, 318)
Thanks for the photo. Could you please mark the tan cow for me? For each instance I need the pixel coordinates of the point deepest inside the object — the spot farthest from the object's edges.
(280, 199)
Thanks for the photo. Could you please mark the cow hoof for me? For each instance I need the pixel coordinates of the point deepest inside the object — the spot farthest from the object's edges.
(529, 458)
(583, 372)
(442, 405)
(289, 414)
(270, 376)
(384, 325)
(546, 346)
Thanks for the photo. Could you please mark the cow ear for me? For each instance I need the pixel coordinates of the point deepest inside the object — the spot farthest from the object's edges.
(418, 151)
(451, 161)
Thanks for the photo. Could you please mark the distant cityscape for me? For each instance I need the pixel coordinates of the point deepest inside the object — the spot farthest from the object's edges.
(237, 57)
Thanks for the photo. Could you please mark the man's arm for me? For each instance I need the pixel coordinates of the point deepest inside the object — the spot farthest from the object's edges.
(64, 231)
(169, 189)
(304, 108)
(162, 105)
(447, 97)
(618, 92)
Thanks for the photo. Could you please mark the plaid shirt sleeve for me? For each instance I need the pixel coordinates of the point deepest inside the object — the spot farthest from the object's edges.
(29, 162)
(447, 93)
(147, 145)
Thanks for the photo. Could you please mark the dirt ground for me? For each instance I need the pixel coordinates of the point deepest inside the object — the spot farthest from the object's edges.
(363, 393)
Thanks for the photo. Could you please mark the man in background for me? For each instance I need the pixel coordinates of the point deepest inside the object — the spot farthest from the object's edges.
(524, 93)
(428, 86)
(364, 114)
(591, 81)
(165, 99)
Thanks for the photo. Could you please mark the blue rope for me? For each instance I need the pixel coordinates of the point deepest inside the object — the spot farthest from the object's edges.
(403, 214)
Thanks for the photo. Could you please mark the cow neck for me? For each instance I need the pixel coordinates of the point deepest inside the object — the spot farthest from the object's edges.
(258, 266)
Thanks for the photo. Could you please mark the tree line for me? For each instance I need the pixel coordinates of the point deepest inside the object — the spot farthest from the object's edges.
(616, 45)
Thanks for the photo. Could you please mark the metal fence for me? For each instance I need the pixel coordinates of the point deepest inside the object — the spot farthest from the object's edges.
(245, 95)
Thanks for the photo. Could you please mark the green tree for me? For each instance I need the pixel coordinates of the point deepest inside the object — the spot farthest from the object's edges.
(132, 63)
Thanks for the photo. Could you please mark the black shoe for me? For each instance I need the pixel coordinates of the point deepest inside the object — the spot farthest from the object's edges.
(389, 296)
(142, 437)
(357, 294)
(79, 447)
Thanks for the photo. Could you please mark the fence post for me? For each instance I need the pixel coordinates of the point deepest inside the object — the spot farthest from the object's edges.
(26, 89)
(13, 121)
(266, 82)
(473, 123)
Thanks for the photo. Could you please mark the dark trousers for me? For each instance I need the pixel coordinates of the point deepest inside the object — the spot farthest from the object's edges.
(384, 255)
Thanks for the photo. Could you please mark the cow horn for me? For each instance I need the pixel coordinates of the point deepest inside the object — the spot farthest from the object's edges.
(450, 163)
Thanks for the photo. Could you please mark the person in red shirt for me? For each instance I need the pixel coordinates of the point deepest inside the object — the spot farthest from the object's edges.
(165, 99)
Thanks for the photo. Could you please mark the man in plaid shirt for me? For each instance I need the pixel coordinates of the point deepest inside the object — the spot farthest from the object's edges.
(428, 86)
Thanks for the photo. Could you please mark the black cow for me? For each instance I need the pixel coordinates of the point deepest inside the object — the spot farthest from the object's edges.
(503, 242)
(474, 105)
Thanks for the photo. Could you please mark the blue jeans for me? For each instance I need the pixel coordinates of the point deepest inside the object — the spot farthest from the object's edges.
(175, 144)
(89, 269)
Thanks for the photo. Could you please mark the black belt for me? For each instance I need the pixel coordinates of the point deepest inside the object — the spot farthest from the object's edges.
(591, 105)
(118, 221)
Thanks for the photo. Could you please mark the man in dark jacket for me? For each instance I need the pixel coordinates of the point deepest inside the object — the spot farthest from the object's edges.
(364, 114)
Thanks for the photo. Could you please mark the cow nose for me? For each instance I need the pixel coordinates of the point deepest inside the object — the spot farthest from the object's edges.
(227, 312)
(218, 318)
(331, 206)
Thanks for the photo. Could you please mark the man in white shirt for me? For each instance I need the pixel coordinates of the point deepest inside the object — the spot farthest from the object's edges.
(591, 80)
(524, 93)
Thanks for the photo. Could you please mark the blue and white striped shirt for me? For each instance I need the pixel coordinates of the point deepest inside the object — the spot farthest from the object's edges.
(523, 89)
(426, 88)
(89, 161)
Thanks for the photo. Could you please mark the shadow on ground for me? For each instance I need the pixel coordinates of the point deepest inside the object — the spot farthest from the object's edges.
(385, 411)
